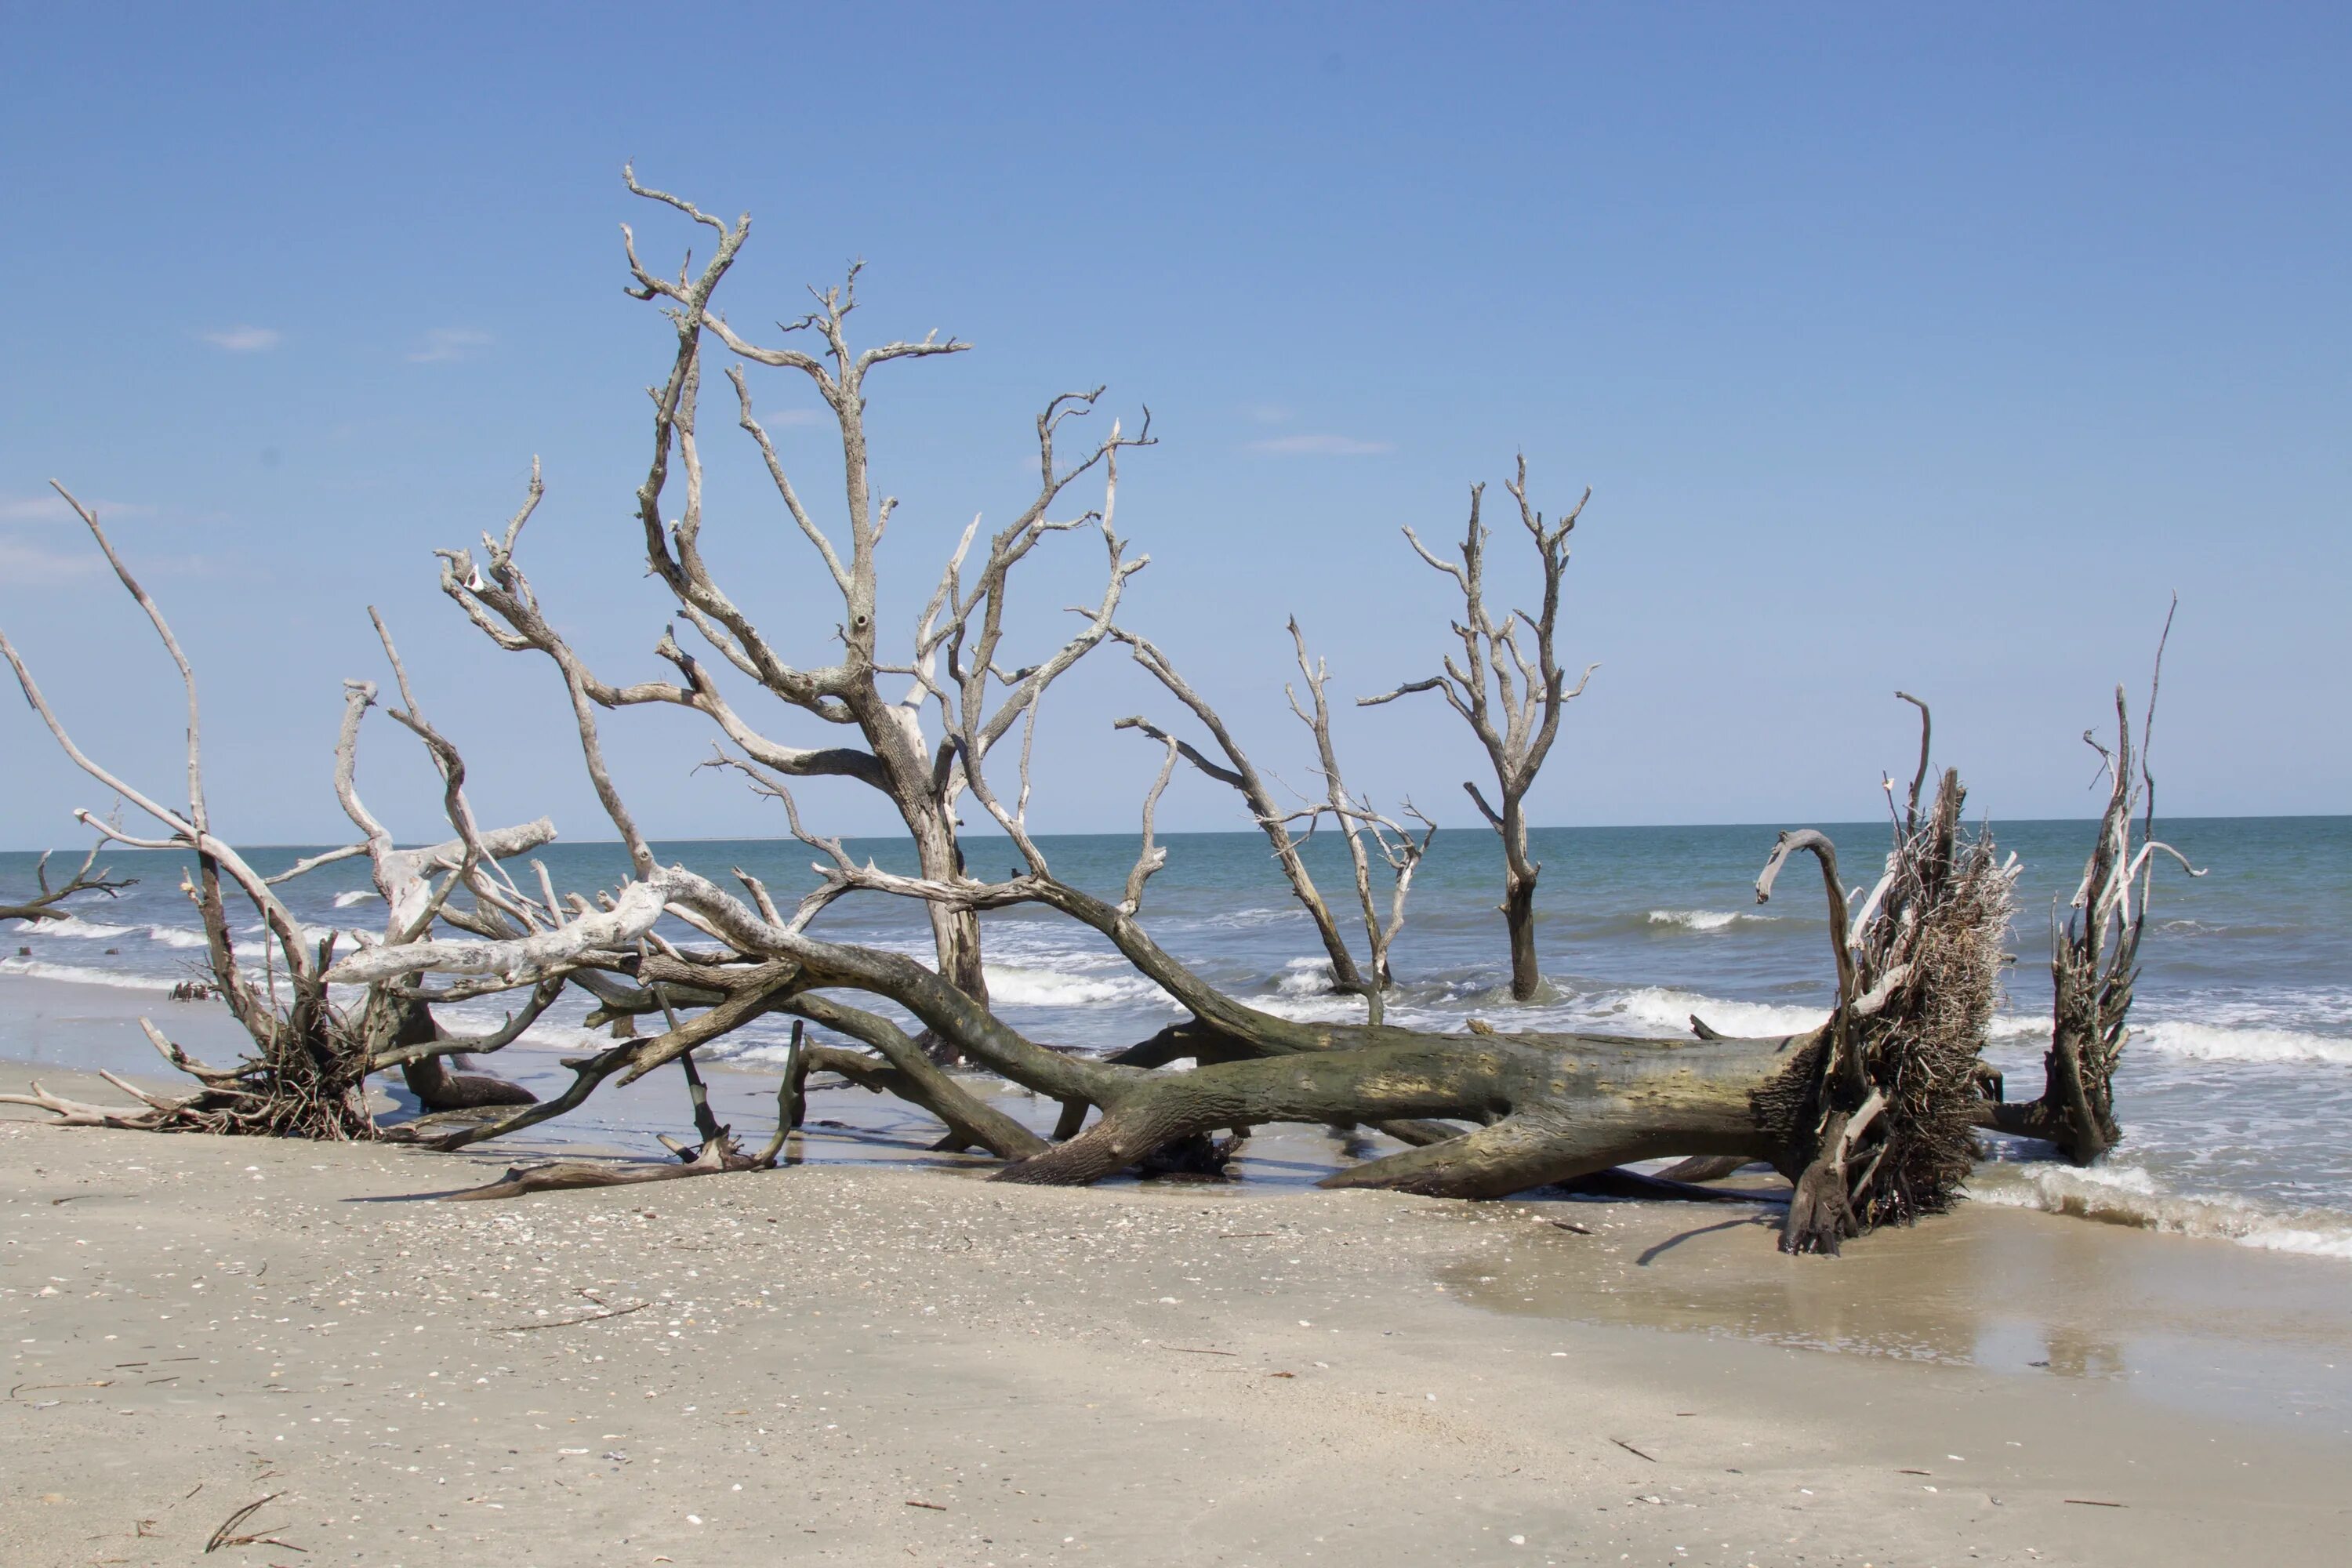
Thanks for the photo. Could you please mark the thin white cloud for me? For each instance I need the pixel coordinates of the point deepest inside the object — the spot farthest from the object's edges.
(443, 344)
(1267, 414)
(53, 509)
(244, 339)
(31, 565)
(1318, 447)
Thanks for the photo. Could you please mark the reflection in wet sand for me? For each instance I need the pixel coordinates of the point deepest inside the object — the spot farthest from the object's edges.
(2192, 1323)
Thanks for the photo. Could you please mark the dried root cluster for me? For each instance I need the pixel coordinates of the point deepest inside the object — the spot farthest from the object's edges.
(1892, 1091)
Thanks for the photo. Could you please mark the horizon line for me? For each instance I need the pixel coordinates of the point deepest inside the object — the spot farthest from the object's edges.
(1252, 833)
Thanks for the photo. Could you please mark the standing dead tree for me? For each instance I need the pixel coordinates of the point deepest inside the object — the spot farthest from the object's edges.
(2095, 956)
(1511, 701)
(958, 665)
(48, 902)
(1288, 831)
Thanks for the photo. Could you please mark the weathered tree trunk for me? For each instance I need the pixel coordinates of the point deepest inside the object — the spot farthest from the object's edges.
(1519, 911)
(434, 1081)
(955, 933)
(1554, 1107)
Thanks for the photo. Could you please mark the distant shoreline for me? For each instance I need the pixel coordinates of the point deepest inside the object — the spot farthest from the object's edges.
(976, 834)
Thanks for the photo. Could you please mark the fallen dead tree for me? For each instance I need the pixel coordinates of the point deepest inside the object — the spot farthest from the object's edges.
(1871, 1116)
(313, 1054)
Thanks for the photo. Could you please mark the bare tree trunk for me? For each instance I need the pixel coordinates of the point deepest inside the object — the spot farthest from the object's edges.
(433, 1081)
(1519, 904)
(954, 932)
(1561, 1106)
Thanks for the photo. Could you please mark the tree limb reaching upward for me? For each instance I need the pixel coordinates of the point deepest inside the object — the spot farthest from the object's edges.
(1511, 700)
(957, 667)
(2094, 951)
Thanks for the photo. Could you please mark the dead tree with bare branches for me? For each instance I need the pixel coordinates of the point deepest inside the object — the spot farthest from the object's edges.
(1288, 830)
(48, 903)
(1511, 700)
(958, 668)
(312, 1054)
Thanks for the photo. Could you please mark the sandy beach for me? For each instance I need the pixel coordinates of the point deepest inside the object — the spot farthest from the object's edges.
(862, 1364)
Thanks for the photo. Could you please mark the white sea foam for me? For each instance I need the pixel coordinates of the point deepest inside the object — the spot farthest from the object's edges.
(1699, 919)
(1304, 977)
(1024, 987)
(1325, 1007)
(176, 936)
(1657, 1006)
(545, 1033)
(1236, 919)
(74, 925)
(80, 974)
(2221, 1043)
(2126, 1195)
(356, 895)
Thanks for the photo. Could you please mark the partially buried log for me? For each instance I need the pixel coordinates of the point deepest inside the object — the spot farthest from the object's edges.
(714, 1158)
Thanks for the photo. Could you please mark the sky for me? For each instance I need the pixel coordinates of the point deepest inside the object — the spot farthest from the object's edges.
(1931, 349)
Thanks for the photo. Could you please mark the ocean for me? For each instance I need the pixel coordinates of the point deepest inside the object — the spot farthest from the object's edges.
(2235, 1094)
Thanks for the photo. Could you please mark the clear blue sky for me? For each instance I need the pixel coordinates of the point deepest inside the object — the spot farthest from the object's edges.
(1900, 349)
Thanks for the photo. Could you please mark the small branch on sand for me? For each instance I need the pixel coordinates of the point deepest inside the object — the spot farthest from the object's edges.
(567, 1322)
(226, 1535)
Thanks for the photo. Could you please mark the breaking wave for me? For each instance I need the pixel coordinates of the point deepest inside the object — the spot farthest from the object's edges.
(79, 974)
(1659, 1007)
(2221, 1043)
(99, 931)
(1022, 987)
(74, 925)
(356, 895)
(1700, 919)
(2122, 1195)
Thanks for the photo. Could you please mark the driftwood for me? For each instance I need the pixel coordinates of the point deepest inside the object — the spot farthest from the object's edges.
(715, 1158)
(48, 903)
(1871, 1117)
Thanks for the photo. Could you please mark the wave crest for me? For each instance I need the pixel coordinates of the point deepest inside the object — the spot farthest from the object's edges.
(1658, 1006)
(2127, 1197)
(1020, 987)
(74, 925)
(1699, 919)
(79, 974)
(2221, 1043)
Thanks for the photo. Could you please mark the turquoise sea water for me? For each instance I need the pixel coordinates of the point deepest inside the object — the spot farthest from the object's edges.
(2236, 1095)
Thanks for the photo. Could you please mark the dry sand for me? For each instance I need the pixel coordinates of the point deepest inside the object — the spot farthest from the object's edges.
(865, 1365)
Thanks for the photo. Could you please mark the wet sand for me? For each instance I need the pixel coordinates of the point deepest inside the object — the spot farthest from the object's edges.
(875, 1356)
